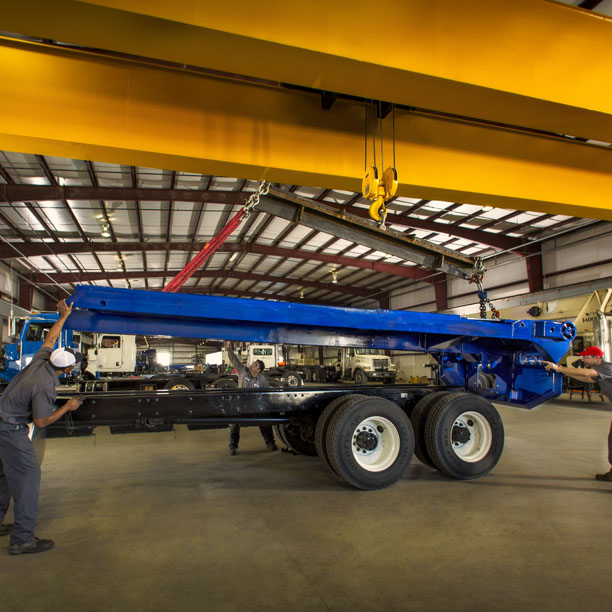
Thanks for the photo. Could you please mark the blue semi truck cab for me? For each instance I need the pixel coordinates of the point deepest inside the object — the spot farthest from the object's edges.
(29, 335)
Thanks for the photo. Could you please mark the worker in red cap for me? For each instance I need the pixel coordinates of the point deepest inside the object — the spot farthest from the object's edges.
(595, 370)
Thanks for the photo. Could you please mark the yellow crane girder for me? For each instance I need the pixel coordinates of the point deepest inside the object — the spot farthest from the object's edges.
(531, 63)
(74, 104)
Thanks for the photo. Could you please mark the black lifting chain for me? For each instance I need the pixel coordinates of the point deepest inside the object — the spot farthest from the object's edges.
(478, 272)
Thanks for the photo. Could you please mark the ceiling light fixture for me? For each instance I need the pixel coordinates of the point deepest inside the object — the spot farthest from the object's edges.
(105, 232)
(334, 276)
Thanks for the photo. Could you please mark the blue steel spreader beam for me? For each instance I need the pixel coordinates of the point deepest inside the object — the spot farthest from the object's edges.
(499, 360)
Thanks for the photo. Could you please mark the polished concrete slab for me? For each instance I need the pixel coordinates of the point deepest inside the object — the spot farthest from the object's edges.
(170, 522)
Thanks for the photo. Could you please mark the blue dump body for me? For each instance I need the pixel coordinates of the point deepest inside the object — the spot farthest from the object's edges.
(500, 360)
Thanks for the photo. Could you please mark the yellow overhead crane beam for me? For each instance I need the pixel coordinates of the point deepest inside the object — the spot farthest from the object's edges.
(531, 63)
(78, 105)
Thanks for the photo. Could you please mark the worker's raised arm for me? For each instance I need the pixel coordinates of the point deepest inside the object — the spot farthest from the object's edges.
(54, 332)
(234, 358)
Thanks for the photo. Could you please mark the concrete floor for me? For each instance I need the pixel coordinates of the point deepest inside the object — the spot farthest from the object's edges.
(165, 522)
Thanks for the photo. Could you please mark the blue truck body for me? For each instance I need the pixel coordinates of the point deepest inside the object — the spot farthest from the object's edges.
(365, 434)
(500, 360)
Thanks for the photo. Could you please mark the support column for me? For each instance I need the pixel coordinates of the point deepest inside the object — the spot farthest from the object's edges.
(441, 291)
(26, 295)
(535, 274)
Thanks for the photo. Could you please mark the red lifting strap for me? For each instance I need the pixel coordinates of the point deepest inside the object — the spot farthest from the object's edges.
(209, 248)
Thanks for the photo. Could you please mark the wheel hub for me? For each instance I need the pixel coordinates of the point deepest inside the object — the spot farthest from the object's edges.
(375, 443)
(461, 434)
(366, 440)
(471, 436)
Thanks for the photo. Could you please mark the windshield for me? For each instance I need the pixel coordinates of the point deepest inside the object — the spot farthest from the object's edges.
(259, 352)
(369, 351)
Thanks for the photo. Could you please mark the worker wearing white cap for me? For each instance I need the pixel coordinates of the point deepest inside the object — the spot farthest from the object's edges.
(595, 370)
(30, 397)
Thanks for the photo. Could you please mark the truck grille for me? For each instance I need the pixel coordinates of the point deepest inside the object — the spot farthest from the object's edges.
(380, 364)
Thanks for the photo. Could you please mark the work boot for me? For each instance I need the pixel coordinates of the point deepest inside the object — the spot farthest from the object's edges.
(6, 529)
(35, 545)
(271, 446)
(233, 450)
(607, 477)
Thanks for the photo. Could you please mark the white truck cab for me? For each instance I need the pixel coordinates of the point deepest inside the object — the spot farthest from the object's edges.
(365, 364)
(112, 354)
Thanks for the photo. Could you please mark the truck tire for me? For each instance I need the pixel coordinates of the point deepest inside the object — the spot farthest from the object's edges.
(280, 434)
(291, 434)
(323, 422)
(370, 444)
(179, 384)
(464, 435)
(418, 418)
(316, 376)
(293, 379)
(225, 383)
(360, 377)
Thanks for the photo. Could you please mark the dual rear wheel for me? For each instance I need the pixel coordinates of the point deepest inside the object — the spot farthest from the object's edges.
(460, 434)
(369, 442)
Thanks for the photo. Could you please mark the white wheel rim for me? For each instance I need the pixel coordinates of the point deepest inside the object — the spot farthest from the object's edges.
(179, 387)
(375, 444)
(475, 427)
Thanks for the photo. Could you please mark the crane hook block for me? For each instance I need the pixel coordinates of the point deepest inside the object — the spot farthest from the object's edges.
(370, 183)
(390, 182)
(379, 191)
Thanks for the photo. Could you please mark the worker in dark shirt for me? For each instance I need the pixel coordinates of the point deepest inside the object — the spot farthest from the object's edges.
(249, 378)
(595, 370)
(29, 398)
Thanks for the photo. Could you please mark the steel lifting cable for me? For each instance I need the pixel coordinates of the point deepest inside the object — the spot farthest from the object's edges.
(53, 281)
(210, 247)
(27, 280)
(38, 235)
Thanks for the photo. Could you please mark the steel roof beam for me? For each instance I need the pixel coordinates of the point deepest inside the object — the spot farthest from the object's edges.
(40, 193)
(69, 277)
(352, 228)
(36, 249)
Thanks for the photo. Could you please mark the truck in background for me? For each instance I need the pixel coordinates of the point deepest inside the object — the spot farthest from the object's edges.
(113, 363)
(364, 365)
(329, 364)
(26, 336)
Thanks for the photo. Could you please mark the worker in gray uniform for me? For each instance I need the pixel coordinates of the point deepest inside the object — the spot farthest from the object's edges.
(30, 397)
(595, 370)
(249, 378)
